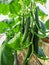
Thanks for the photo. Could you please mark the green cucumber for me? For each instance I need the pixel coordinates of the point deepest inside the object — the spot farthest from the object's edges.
(26, 29)
(29, 50)
(36, 38)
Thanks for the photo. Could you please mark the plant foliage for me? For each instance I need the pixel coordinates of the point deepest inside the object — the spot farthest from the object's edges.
(22, 29)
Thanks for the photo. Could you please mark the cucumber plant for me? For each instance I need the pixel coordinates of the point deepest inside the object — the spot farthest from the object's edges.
(24, 29)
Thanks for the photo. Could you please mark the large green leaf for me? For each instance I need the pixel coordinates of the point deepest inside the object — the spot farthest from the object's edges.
(15, 42)
(6, 55)
(41, 1)
(4, 9)
(47, 24)
(13, 7)
(3, 27)
(6, 25)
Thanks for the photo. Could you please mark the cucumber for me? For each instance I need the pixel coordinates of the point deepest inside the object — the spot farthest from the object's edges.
(36, 38)
(29, 51)
(27, 26)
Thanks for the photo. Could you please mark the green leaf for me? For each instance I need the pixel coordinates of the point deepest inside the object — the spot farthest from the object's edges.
(41, 1)
(4, 9)
(9, 22)
(15, 1)
(41, 53)
(42, 27)
(16, 29)
(42, 14)
(15, 42)
(10, 34)
(7, 57)
(47, 24)
(3, 27)
(14, 8)
(27, 2)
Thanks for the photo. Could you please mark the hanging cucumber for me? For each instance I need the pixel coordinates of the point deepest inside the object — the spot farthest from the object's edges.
(36, 38)
(29, 50)
(30, 46)
(27, 26)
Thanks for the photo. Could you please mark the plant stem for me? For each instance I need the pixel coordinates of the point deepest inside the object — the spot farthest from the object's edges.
(23, 24)
(16, 62)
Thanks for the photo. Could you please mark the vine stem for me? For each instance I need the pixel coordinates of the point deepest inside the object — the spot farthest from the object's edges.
(16, 62)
